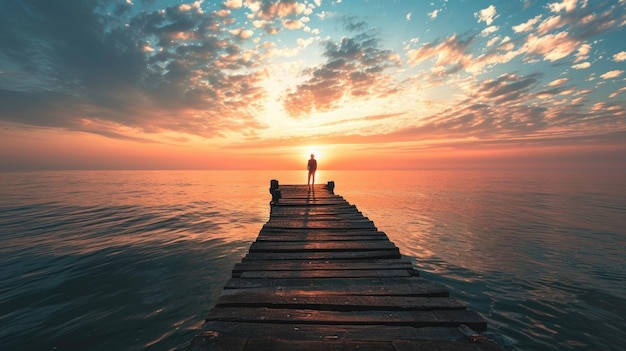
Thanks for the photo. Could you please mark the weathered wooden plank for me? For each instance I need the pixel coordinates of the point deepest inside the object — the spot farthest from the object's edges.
(334, 332)
(300, 211)
(326, 255)
(319, 189)
(334, 337)
(325, 206)
(330, 219)
(322, 218)
(281, 265)
(336, 209)
(227, 343)
(311, 202)
(295, 211)
(299, 246)
(304, 223)
(435, 318)
(296, 191)
(345, 273)
(295, 237)
(322, 266)
(310, 198)
(333, 231)
(235, 298)
(210, 341)
(413, 286)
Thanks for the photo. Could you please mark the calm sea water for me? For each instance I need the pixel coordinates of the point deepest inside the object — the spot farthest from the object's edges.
(133, 260)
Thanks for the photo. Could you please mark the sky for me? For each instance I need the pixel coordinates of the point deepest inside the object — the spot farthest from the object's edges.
(363, 84)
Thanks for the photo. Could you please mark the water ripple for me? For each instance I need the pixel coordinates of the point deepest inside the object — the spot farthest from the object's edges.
(133, 260)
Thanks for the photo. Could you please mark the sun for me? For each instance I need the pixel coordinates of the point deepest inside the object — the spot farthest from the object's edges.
(324, 154)
(314, 150)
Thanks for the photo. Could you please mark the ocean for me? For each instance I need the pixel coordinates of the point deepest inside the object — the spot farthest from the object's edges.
(134, 260)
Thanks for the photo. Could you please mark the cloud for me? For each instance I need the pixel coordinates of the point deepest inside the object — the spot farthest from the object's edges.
(503, 109)
(489, 30)
(116, 69)
(595, 19)
(290, 14)
(172, 69)
(576, 25)
(527, 26)
(620, 56)
(565, 5)
(493, 41)
(558, 82)
(454, 54)
(490, 110)
(242, 33)
(612, 74)
(487, 15)
(551, 23)
(506, 88)
(582, 65)
(233, 4)
(583, 52)
(195, 7)
(551, 47)
(617, 92)
(293, 24)
(222, 12)
(555, 38)
(354, 69)
(352, 24)
(276, 9)
(451, 53)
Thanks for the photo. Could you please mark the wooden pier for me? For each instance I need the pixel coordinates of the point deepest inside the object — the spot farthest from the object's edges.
(321, 276)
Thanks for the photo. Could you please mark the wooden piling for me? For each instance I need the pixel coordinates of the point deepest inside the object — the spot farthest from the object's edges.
(321, 276)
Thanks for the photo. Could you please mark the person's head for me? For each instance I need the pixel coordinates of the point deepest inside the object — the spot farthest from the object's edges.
(312, 156)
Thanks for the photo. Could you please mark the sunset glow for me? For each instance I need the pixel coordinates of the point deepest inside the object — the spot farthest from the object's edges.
(262, 84)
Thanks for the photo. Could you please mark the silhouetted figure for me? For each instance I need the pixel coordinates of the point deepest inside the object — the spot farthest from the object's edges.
(312, 167)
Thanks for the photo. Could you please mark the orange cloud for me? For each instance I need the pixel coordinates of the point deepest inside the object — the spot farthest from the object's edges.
(612, 74)
(565, 5)
(233, 4)
(582, 65)
(527, 26)
(620, 56)
(551, 47)
(278, 9)
(558, 82)
(487, 15)
(452, 51)
(355, 69)
(293, 24)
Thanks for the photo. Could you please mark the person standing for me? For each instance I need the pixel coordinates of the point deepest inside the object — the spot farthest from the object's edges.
(312, 167)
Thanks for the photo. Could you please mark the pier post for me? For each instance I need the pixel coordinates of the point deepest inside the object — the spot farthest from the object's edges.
(331, 186)
(276, 194)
